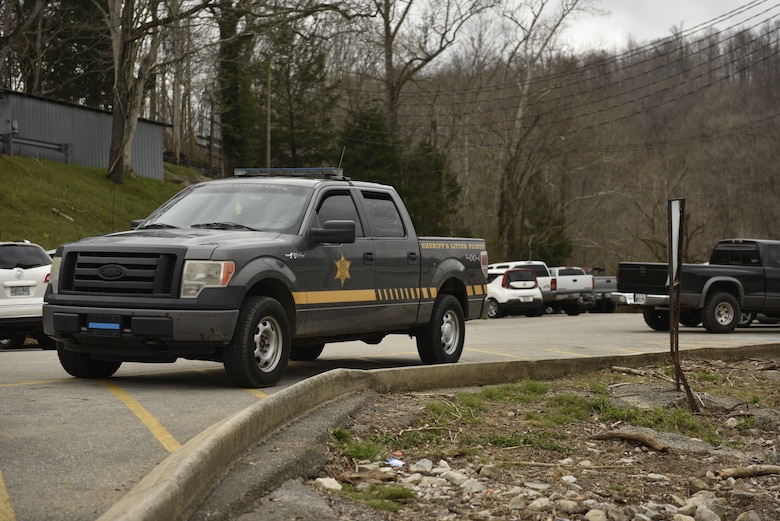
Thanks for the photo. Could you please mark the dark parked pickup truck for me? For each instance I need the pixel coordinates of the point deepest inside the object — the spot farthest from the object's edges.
(741, 280)
(260, 268)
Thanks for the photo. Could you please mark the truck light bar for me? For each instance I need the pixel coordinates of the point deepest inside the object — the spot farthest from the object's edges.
(319, 173)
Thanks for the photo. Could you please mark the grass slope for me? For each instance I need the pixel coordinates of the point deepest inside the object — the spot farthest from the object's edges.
(32, 191)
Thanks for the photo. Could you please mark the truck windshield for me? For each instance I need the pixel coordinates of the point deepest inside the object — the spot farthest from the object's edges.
(235, 206)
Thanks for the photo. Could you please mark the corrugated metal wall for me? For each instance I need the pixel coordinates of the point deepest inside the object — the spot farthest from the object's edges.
(33, 123)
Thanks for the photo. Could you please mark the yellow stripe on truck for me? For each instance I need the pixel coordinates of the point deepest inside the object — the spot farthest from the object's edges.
(369, 295)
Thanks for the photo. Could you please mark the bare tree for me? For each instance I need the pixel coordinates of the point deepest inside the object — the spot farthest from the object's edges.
(412, 34)
(18, 16)
(136, 29)
(532, 29)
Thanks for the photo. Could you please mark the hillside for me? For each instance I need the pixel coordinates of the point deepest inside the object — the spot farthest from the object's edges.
(34, 191)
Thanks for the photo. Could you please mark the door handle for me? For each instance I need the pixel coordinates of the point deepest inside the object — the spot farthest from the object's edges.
(411, 257)
(368, 257)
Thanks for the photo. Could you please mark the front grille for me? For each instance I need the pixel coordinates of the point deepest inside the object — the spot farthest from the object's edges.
(145, 274)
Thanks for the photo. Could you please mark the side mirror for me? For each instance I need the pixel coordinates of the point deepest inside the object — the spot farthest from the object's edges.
(335, 231)
(135, 223)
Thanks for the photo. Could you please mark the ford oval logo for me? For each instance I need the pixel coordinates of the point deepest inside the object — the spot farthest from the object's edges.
(111, 272)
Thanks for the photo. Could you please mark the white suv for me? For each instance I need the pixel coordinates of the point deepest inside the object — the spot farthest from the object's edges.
(513, 292)
(24, 275)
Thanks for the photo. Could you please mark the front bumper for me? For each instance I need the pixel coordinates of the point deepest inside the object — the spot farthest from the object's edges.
(122, 330)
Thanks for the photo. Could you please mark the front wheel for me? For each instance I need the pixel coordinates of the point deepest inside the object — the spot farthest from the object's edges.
(82, 365)
(260, 349)
(721, 313)
(657, 319)
(441, 341)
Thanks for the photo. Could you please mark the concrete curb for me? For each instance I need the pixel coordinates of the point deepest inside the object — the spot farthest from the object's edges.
(172, 487)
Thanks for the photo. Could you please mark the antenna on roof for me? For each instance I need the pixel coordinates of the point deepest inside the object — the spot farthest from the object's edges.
(343, 151)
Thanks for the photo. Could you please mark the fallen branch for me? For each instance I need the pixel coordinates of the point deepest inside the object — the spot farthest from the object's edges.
(748, 472)
(66, 217)
(646, 439)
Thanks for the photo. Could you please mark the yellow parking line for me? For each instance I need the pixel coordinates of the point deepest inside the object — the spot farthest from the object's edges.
(6, 510)
(37, 382)
(161, 433)
(256, 392)
(578, 355)
(484, 351)
(630, 351)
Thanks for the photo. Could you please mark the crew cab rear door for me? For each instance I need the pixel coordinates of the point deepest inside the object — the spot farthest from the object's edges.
(772, 277)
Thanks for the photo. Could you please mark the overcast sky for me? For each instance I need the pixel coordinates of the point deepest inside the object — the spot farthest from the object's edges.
(646, 20)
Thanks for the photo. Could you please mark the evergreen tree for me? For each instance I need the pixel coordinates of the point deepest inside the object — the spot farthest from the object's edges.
(302, 99)
(430, 190)
(369, 152)
(543, 233)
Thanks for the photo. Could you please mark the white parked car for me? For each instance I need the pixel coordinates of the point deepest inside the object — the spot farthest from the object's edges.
(513, 292)
(24, 276)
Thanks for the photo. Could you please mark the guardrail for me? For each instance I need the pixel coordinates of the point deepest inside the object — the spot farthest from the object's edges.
(9, 140)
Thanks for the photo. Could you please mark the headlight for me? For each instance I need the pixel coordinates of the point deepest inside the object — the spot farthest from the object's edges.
(205, 274)
(54, 275)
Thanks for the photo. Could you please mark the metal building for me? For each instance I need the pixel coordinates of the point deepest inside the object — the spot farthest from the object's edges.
(36, 127)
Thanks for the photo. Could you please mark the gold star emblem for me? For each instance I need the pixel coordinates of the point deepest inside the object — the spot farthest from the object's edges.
(342, 269)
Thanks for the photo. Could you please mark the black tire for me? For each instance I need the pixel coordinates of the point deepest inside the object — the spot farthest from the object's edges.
(657, 319)
(573, 311)
(493, 310)
(746, 318)
(721, 313)
(441, 341)
(12, 343)
(260, 349)
(306, 353)
(82, 365)
(690, 318)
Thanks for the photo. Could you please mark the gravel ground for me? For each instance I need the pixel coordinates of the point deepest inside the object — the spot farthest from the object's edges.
(500, 464)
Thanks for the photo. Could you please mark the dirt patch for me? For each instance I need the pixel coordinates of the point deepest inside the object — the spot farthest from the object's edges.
(524, 467)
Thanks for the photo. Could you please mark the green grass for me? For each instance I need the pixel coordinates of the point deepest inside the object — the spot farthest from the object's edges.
(385, 497)
(31, 190)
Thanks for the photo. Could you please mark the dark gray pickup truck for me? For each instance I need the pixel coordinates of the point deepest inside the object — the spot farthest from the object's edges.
(258, 269)
(741, 280)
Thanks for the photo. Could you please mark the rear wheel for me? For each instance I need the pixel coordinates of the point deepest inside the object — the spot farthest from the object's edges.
(441, 341)
(573, 310)
(82, 365)
(260, 349)
(306, 353)
(657, 319)
(721, 313)
(492, 308)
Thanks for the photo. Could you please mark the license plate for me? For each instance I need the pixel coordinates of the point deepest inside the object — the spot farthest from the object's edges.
(526, 299)
(104, 325)
(640, 298)
(20, 291)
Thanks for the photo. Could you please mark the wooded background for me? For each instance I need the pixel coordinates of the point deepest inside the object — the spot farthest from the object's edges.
(479, 114)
